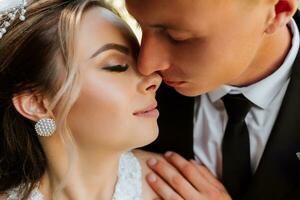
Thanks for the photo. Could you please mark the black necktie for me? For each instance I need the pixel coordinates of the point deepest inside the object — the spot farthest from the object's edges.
(236, 173)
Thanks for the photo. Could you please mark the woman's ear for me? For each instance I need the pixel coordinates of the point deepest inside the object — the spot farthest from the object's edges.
(31, 106)
(282, 12)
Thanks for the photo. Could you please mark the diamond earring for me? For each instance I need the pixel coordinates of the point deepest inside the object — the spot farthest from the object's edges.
(45, 127)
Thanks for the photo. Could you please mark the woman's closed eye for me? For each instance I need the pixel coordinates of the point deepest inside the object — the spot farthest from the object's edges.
(117, 68)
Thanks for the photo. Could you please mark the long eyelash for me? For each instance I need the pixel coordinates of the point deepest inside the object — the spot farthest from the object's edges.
(117, 68)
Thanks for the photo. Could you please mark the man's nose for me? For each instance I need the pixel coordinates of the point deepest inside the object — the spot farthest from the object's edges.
(153, 55)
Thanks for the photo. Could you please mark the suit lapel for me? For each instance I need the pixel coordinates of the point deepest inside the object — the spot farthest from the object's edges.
(279, 170)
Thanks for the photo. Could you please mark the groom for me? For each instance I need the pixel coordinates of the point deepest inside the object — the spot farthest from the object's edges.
(231, 98)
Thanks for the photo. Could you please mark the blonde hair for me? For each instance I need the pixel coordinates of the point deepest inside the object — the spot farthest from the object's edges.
(37, 55)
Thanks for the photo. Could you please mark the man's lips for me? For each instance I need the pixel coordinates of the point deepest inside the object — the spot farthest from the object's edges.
(149, 111)
(174, 83)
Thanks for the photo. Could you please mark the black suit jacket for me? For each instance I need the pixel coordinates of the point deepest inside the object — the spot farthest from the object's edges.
(278, 174)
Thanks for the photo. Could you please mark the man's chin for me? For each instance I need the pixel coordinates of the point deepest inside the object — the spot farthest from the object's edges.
(189, 92)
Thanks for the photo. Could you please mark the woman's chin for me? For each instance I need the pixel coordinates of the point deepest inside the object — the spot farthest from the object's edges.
(146, 138)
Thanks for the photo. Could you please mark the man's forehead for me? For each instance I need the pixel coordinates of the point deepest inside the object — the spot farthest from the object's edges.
(170, 3)
(149, 12)
(168, 10)
(171, 13)
(193, 5)
(176, 7)
(152, 2)
(150, 5)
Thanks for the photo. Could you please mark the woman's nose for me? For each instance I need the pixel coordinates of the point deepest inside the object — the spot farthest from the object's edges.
(150, 83)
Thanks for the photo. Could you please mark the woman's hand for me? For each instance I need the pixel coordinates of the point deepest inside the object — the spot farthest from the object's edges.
(176, 179)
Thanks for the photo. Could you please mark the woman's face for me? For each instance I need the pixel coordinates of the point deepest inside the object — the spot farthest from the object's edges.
(116, 108)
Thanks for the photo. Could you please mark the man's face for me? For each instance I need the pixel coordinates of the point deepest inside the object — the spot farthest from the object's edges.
(198, 45)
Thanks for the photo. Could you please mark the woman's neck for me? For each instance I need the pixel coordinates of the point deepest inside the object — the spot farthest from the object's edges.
(92, 175)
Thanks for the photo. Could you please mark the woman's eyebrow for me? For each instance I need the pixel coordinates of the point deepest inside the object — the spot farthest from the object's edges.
(112, 46)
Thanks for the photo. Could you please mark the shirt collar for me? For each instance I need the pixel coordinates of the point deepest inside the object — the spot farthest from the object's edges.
(264, 91)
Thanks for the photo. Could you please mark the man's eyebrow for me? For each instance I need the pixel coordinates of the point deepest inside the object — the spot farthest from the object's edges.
(164, 26)
(112, 46)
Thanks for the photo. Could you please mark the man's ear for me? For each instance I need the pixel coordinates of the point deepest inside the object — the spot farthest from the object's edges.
(31, 106)
(282, 12)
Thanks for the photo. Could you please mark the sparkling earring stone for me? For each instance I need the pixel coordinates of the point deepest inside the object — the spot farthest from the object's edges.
(45, 127)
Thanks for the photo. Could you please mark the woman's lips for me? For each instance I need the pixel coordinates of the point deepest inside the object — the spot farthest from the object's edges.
(150, 111)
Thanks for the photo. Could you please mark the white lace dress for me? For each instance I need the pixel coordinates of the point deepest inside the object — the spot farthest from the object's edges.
(128, 186)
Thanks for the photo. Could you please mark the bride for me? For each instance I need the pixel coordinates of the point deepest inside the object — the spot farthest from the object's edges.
(72, 104)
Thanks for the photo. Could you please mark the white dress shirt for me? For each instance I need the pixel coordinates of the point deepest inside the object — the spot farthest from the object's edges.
(210, 117)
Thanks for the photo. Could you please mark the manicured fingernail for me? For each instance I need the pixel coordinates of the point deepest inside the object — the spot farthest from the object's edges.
(168, 153)
(193, 161)
(151, 177)
(152, 162)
